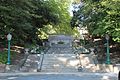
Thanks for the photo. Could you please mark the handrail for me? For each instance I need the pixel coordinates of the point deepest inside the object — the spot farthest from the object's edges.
(80, 67)
(41, 60)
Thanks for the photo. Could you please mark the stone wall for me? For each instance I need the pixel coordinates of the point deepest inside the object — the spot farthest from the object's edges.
(60, 41)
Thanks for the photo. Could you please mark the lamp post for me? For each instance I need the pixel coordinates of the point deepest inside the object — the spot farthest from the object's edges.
(108, 53)
(9, 36)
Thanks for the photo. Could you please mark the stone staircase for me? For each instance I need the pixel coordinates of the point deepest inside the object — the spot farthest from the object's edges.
(60, 63)
(64, 60)
(61, 50)
(31, 64)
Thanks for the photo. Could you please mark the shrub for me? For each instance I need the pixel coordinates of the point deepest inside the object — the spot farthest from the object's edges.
(4, 56)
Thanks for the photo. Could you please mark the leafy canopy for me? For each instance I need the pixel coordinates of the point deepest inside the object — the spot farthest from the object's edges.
(27, 19)
(100, 17)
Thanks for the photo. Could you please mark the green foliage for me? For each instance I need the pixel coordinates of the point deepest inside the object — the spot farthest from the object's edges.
(60, 8)
(31, 20)
(100, 17)
(4, 55)
(23, 18)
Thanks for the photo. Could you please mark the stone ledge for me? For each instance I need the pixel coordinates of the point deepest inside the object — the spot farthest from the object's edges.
(104, 68)
(116, 68)
(2, 68)
(11, 68)
(108, 68)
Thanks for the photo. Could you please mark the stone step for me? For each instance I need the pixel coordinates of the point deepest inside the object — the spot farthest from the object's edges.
(60, 70)
(26, 69)
(57, 66)
(59, 54)
(31, 64)
(59, 62)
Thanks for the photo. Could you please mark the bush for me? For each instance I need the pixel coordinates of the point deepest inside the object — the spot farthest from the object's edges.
(4, 56)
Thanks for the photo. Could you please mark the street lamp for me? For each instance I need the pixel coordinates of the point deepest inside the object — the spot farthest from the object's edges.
(108, 53)
(9, 37)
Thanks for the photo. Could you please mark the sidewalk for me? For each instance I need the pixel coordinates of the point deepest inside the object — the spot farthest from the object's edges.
(58, 76)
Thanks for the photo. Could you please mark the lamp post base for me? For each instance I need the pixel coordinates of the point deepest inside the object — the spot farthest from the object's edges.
(107, 62)
(8, 63)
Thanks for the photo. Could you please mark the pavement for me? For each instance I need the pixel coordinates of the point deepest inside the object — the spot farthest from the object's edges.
(58, 76)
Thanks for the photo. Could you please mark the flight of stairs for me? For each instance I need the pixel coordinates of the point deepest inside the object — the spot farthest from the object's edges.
(64, 60)
(31, 64)
(60, 63)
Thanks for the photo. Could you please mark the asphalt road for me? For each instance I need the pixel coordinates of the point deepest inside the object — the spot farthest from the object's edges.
(80, 76)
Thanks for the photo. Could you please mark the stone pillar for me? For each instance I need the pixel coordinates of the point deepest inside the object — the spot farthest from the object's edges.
(26, 51)
(92, 51)
(92, 54)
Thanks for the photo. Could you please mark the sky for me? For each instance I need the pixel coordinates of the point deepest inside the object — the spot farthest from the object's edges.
(74, 7)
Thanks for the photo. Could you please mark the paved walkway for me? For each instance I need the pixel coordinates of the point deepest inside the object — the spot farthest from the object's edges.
(59, 76)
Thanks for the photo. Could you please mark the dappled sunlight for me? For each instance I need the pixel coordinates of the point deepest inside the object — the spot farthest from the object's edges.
(116, 69)
(84, 60)
(73, 56)
(56, 65)
(73, 62)
(91, 67)
(87, 63)
(37, 61)
(62, 59)
(105, 78)
(18, 47)
(70, 61)
(60, 62)
(28, 60)
(12, 78)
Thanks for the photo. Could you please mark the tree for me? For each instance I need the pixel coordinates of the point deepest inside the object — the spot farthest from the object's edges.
(60, 8)
(23, 18)
(100, 17)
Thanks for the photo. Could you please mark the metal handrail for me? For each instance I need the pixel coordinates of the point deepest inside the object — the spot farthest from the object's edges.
(41, 60)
